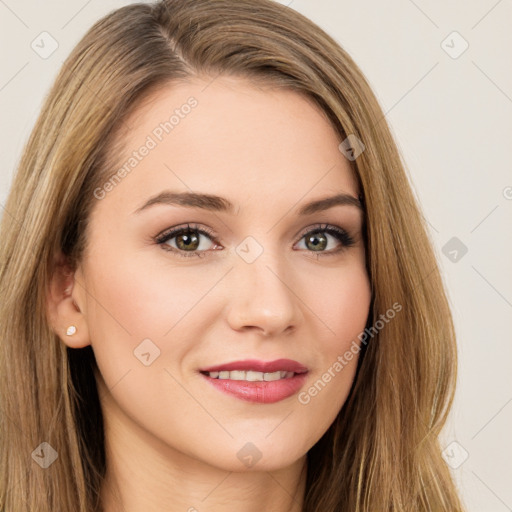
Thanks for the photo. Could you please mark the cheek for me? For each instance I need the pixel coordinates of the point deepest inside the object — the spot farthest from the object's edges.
(342, 304)
(139, 319)
(134, 309)
(138, 301)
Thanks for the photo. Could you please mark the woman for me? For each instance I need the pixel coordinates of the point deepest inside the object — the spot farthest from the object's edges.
(217, 286)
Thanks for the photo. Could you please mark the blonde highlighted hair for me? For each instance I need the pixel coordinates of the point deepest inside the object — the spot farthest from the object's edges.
(382, 452)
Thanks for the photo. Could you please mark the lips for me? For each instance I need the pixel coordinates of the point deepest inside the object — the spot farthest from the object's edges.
(257, 381)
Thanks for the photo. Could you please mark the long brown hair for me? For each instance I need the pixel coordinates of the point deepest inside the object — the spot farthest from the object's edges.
(382, 451)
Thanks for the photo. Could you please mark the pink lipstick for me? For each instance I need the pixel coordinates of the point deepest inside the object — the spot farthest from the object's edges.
(257, 381)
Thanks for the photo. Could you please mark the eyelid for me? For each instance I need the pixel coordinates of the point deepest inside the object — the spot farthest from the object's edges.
(188, 226)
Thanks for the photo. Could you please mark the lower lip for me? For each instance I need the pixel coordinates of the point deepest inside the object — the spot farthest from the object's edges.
(262, 392)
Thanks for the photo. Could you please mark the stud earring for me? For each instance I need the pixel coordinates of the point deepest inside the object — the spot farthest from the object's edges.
(71, 330)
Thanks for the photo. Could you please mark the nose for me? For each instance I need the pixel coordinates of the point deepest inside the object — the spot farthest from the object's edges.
(262, 298)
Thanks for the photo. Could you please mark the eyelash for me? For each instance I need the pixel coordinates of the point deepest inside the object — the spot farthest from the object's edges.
(339, 233)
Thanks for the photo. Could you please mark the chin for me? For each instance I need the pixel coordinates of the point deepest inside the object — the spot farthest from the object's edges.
(257, 456)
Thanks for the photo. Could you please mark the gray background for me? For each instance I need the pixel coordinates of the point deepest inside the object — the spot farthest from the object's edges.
(451, 114)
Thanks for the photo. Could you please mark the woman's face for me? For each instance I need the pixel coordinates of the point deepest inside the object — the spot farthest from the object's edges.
(250, 281)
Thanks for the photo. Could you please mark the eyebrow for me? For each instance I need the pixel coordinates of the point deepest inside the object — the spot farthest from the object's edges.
(221, 204)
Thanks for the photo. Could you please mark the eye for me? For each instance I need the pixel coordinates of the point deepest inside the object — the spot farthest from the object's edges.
(186, 240)
(183, 240)
(317, 239)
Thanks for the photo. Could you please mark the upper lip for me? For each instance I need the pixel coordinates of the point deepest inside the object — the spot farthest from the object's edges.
(287, 365)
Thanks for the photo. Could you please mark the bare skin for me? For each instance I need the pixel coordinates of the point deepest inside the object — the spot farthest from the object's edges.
(173, 440)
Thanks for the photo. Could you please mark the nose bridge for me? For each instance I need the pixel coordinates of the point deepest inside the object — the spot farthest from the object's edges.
(262, 294)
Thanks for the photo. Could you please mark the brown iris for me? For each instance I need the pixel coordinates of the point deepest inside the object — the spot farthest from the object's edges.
(187, 240)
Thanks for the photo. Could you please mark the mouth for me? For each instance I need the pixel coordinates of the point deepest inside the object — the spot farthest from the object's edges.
(250, 376)
(258, 381)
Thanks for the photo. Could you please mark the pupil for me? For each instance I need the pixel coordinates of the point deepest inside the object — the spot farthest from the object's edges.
(317, 244)
(188, 241)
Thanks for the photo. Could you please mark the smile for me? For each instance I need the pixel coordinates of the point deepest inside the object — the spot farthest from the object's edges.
(251, 376)
(257, 381)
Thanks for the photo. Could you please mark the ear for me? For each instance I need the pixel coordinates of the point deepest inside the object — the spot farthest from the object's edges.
(65, 304)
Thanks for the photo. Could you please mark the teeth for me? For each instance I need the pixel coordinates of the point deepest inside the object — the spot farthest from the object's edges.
(251, 376)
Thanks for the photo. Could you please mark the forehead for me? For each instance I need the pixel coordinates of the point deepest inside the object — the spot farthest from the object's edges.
(231, 137)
